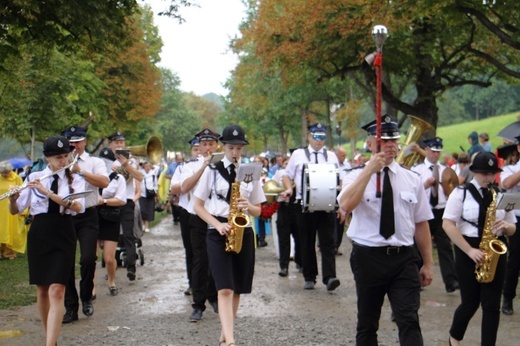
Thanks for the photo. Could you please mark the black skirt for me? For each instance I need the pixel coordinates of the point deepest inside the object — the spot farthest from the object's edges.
(230, 270)
(51, 249)
(147, 208)
(109, 230)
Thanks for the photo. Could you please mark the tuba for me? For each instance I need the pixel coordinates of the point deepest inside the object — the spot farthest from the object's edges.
(489, 245)
(417, 128)
(153, 150)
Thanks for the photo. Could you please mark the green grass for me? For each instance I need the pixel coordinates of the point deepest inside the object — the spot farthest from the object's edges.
(457, 135)
(14, 285)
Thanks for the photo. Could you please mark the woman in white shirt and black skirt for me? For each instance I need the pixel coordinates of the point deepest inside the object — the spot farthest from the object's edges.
(232, 272)
(51, 241)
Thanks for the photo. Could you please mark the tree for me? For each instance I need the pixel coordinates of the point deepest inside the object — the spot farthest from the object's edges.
(434, 45)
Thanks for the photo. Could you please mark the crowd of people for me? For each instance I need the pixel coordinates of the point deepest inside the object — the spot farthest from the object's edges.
(394, 216)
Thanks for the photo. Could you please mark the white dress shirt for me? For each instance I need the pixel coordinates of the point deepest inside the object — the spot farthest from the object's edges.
(115, 189)
(213, 184)
(299, 158)
(426, 172)
(94, 165)
(467, 207)
(189, 170)
(40, 203)
(410, 207)
(508, 171)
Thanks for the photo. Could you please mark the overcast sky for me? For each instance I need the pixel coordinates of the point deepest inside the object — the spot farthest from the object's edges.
(197, 50)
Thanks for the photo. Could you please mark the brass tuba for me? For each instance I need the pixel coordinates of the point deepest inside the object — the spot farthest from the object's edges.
(489, 245)
(153, 150)
(417, 128)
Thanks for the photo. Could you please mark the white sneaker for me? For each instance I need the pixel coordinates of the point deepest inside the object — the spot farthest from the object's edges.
(147, 230)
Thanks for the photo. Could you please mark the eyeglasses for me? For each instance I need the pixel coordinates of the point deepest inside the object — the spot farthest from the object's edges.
(319, 137)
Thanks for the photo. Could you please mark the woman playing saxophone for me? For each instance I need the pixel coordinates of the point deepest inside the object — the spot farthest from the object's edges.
(214, 201)
(469, 217)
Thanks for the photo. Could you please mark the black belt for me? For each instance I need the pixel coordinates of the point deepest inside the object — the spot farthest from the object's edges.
(387, 250)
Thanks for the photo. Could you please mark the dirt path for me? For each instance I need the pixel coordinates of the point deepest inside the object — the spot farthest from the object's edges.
(153, 310)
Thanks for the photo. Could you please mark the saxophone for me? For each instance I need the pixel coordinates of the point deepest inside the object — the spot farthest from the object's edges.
(489, 245)
(237, 219)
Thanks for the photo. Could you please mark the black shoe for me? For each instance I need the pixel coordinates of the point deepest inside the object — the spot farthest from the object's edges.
(451, 288)
(88, 308)
(113, 290)
(507, 307)
(130, 274)
(299, 268)
(188, 291)
(70, 316)
(196, 315)
(283, 272)
(262, 243)
(214, 305)
(309, 285)
(332, 284)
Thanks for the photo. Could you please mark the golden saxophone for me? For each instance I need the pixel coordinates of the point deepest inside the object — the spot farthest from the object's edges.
(237, 219)
(489, 245)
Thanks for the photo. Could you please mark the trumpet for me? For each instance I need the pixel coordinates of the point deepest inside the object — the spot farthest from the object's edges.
(24, 185)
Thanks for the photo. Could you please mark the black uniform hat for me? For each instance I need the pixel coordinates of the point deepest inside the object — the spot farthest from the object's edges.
(117, 136)
(389, 128)
(56, 145)
(233, 134)
(485, 162)
(318, 128)
(207, 135)
(75, 133)
(434, 144)
(107, 153)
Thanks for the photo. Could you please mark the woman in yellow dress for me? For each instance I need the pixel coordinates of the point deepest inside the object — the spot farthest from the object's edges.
(13, 233)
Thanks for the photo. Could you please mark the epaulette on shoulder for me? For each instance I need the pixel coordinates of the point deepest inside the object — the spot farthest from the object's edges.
(409, 169)
(348, 170)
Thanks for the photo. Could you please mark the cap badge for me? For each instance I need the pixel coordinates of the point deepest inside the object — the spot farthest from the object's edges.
(388, 120)
(490, 162)
(72, 129)
(59, 144)
(319, 125)
(206, 131)
(235, 133)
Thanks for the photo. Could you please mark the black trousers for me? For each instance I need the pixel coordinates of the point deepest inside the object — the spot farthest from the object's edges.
(202, 284)
(444, 248)
(86, 226)
(184, 219)
(377, 273)
(474, 294)
(513, 264)
(322, 223)
(127, 223)
(339, 232)
(286, 224)
(176, 212)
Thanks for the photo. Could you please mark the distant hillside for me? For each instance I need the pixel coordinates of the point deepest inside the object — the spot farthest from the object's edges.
(215, 98)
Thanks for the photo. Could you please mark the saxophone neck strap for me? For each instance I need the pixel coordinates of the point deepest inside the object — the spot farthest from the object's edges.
(483, 206)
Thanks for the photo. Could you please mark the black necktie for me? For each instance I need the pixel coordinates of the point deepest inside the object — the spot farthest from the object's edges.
(434, 196)
(54, 207)
(315, 157)
(387, 225)
(232, 177)
(486, 201)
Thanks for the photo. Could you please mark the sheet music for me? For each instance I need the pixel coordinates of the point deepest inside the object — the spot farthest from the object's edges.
(508, 201)
(248, 172)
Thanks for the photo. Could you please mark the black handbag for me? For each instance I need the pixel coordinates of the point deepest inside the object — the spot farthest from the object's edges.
(110, 213)
(150, 193)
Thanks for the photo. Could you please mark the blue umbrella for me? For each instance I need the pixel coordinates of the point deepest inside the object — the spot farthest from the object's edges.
(20, 162)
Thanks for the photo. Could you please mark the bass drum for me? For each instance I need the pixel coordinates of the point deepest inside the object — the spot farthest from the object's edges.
(320, 187)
